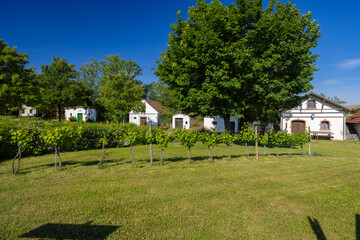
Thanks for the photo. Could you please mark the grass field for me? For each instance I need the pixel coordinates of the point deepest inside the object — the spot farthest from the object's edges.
(289, 197)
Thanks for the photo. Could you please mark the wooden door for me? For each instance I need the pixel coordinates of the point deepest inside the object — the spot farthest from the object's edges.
(80, 117)
(179, 122)
(143, 121)
(297, 126)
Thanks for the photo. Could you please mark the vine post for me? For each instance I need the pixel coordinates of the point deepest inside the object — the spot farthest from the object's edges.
(151, 147)
(256, 143)
(309, 142)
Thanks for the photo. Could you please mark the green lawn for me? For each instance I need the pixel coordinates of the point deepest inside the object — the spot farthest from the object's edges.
(289, 197)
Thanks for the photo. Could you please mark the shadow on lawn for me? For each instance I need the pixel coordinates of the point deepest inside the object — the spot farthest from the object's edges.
(320, 233)
(71, 231)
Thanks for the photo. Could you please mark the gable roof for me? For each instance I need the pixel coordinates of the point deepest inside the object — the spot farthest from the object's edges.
(355, 118)
(157, 106)
(311, 93)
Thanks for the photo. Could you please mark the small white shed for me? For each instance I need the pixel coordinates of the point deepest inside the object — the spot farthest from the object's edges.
(182, 121)
(80, 113)
(153, 112)
(218, 123)
(27, 111)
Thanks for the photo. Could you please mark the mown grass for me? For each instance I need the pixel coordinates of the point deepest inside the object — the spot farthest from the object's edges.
(289, 197)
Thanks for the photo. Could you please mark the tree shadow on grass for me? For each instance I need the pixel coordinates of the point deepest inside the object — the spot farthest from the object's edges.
(71, 231)
(315, 225)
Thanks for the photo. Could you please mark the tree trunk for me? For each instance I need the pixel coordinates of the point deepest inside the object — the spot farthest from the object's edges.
(18, 166)
(132, 154)
(264, 150)
(210, 155)
(229, 152)
(227, 123)
(291, 149)
(103, 157)
(189, 150)
(58, 153)
(13, 162)
(162, 156)
(59, 113)
(277, 151)
(247, 152)
(302, 149)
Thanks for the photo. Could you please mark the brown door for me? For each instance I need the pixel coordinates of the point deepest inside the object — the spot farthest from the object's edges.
(232, 127)
(143, 121)
(179, 123)
(297, 126)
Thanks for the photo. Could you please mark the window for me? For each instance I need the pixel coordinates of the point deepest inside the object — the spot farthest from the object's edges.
(186, 122)
(70, 114)
(30, 111)
(325, 125)
(135, 118)
(311, 103)
(214, 122)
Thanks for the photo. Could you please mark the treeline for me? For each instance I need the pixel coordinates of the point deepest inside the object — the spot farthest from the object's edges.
(33, 138)
(110, 85)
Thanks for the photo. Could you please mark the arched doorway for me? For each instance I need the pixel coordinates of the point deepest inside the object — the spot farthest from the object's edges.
(297, 126)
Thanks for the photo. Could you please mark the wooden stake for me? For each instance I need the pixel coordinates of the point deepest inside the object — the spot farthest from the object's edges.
(309, 143)
(256, 143)
(151, 148)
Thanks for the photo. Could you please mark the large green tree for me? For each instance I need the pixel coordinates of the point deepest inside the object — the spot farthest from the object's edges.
(16, 80)
(120, 91)
(59, 86)
(243, 59)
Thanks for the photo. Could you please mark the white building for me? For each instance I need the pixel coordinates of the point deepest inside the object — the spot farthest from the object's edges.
(27, 111)
(182, 121)
(324, 117)
(80, 113)
(218, 123)
(153, 112)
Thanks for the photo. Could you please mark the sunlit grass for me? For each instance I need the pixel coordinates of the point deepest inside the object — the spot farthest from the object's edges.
(269, 198)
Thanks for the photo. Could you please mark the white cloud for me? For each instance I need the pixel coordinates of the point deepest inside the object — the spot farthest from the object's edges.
(350, 64)
(330, 82)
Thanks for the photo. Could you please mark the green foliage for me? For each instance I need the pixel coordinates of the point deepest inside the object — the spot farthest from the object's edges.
(227, 138)
(247, 134)
(278, 138)
(163, 138)
(58, 86)
(16, 81)
(210, 139)
(188, 138)
(264, 138)
(64, 136)
(241, 59)
(73, 119)
(120, 92)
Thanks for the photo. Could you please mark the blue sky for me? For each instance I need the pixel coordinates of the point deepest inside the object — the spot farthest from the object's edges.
(138, 30)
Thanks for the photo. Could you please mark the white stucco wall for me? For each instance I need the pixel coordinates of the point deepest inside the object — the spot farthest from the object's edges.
(314, 117)
(27, 111)
(134, 117)
(88, 113)
(220, 125)
(187, 120)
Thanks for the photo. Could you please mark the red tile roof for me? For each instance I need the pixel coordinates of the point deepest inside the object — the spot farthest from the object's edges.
(157, 106)
(353, 107)
(355, 118)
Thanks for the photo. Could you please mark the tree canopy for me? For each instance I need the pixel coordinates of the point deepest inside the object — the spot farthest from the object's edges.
(120, 91)
(59, 87)
(243, 59)
(16, 81)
